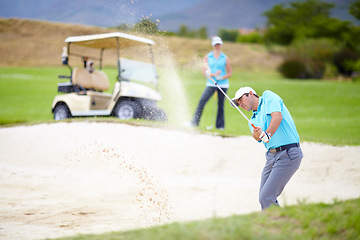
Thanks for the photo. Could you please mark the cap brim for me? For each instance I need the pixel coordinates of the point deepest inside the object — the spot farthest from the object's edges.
(234, 103)
(214, 43)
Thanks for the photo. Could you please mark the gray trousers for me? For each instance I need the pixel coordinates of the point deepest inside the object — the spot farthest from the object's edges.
(278, 170)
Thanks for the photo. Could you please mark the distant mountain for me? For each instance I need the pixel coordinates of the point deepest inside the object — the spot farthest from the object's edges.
(233, 14)
(103, 13)
(213, 14)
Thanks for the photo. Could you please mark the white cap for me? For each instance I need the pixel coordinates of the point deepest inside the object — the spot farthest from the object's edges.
(240, 92)
(216, 40)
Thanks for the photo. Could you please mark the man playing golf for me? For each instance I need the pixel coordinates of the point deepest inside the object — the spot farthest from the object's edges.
(274, 127)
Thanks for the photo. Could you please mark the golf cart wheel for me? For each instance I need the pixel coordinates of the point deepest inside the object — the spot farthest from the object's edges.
(127, 110)
(61, 112)
(161, 115)
(156, 114)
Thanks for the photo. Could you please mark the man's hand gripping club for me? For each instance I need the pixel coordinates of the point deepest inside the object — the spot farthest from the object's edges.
(260, 135)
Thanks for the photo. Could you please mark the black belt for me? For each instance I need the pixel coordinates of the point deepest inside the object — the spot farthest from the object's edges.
(284, 147)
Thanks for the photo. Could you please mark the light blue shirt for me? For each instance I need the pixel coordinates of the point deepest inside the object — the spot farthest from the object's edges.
(215, 65)
(270, 102)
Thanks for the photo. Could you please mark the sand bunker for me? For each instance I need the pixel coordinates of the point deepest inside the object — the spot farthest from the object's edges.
(68, 178)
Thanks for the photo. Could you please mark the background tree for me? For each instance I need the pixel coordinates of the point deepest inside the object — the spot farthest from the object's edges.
(183, 31)
(124, 27)
(306, 25)
(354, 66)
(228, 35)
(309, 19)
(146, 26)
(355, 9)
(202, 33)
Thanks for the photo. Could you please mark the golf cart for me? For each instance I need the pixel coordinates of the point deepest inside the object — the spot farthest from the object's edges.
(135, 94)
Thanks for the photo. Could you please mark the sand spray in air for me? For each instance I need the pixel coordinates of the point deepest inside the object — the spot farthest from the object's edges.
(127, 13)
(173, 92)
(151, 200)
(148, 197)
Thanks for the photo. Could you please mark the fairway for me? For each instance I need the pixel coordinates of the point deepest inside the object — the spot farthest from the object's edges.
(324, 111)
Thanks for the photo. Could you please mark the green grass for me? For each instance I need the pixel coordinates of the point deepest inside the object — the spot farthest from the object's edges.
(324, 111)
(26, 94)
(340, 220)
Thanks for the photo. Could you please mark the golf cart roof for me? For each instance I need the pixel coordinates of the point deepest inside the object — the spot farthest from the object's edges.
(109, 40)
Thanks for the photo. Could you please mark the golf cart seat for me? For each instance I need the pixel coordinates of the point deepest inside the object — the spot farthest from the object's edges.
(97, 80)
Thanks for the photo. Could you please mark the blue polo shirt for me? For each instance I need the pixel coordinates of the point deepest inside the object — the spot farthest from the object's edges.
(216, 64)
(270, 102)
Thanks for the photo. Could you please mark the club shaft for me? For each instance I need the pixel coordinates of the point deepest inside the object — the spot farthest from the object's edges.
(231, 102)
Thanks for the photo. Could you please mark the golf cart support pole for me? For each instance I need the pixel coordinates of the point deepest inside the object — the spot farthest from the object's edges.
(101, 58)
(118, 59)
(118, 66)
(153, 62)
(207, 74)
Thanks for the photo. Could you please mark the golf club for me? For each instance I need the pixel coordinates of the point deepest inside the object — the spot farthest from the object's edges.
(207, 75)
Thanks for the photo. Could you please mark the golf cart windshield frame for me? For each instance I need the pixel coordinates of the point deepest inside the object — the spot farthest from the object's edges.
(104, 41)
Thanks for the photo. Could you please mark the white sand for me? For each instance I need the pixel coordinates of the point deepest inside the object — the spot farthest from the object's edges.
(68, 178)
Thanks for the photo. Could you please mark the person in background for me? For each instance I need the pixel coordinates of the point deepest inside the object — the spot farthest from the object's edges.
(220, 67)
(90, 66)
